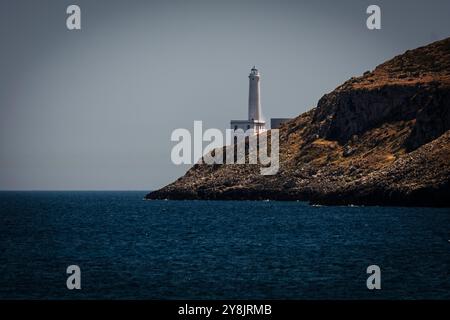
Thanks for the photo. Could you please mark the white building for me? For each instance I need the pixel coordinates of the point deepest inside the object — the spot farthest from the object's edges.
(255, 122)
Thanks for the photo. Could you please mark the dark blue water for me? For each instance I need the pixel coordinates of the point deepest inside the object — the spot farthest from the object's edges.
(134, 249)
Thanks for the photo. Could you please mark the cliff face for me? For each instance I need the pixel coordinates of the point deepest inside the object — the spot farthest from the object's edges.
(379, 139)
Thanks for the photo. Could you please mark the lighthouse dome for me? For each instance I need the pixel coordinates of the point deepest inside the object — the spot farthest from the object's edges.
(254, 72)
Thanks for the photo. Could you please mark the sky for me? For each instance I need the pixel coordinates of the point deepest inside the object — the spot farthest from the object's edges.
(94, 109)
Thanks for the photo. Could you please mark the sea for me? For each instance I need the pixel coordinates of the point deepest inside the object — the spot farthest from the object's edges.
(129, 248)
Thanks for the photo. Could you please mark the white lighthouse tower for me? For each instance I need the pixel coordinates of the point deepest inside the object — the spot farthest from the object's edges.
(254, 105)
(255, 123)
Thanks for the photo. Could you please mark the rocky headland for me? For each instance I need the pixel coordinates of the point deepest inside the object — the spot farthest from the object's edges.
(379, 139)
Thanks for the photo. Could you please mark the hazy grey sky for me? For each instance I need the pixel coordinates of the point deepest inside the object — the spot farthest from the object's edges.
(94, 109)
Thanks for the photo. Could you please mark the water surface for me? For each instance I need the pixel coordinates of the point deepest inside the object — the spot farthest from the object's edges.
(128, 248)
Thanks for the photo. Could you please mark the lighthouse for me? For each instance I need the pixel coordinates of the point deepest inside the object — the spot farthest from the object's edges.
(254, 105)
(255, 123)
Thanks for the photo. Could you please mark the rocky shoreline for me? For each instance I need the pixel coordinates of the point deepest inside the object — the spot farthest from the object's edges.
(379, 139)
